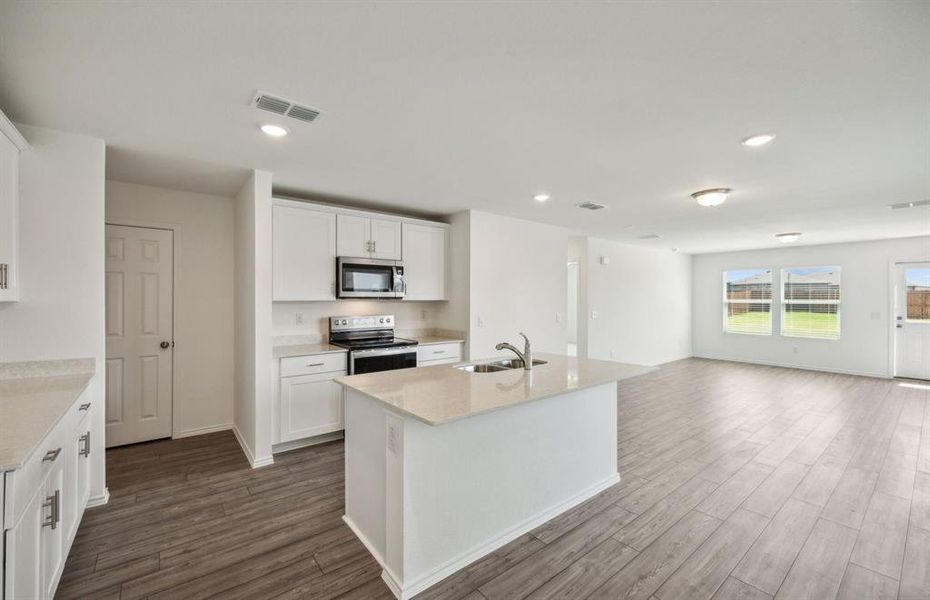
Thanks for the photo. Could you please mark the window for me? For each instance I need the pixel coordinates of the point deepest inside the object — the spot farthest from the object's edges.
(810, 302)
(747, 301)
(917, 281)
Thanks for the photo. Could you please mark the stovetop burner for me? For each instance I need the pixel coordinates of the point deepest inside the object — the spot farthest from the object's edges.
(364, 344)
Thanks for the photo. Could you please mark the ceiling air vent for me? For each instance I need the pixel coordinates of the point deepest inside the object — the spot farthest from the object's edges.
(283, 106)
(901, 205)
(649, 236)
(591, 206)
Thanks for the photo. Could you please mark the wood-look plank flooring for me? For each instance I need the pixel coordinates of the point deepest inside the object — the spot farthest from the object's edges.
(738, 481)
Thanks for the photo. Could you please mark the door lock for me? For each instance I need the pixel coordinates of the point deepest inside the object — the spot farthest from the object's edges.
(164, 345)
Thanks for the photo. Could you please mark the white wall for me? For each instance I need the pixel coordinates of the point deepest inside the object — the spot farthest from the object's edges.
(517, 275)
(203, 295)
(454, 314)
(252, 414)
(61, 312)
(643, 301)
(866, 320)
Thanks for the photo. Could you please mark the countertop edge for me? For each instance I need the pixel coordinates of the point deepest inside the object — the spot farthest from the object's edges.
(25, 456)
(341, 381)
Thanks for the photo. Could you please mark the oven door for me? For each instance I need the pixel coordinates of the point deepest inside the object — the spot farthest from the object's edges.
(366, 278)
(383, 359)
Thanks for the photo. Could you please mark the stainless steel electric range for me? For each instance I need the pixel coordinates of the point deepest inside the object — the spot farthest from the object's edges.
(371, 343)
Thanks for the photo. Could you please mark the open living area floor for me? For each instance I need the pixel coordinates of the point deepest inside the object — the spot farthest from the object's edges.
(738, 481)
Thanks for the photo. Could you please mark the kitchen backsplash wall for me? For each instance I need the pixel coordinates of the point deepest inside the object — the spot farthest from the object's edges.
(315, 315)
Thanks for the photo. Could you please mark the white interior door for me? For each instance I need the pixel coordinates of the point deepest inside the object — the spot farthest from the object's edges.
(139, 329)
(912, 320)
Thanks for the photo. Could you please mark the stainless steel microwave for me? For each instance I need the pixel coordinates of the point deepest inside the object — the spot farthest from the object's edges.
(369, 278)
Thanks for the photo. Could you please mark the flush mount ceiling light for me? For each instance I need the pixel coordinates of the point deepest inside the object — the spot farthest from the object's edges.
(901, 205)
(541, 197)
(711, 197)
(754, 141)
(274, 130)
(787, 238)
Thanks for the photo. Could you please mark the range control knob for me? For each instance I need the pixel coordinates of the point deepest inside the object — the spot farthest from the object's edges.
(389, 319)
(343, 321)
(382, 320)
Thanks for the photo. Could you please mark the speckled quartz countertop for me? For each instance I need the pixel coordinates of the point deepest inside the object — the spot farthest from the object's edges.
(304, 349)
(443, 393)
(34, 396)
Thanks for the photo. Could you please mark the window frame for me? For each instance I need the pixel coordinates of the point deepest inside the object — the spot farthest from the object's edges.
(784, 302)
(727, 301)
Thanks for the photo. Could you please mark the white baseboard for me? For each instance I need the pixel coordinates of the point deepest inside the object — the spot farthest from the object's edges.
(880, 375)
(405, 592)
(99, 500)
(313, 441)
(201, 431)
(254, 462)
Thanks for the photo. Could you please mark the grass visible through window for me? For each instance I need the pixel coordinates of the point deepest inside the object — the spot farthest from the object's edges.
(816, 322)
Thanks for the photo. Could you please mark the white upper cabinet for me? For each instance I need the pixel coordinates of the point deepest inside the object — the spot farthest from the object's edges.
(385, 239)
(304, 253)
(9, 213)
(364, 237)
(353, 237)
(425, 249)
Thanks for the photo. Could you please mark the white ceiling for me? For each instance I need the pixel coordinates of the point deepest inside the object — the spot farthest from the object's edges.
(441, 106)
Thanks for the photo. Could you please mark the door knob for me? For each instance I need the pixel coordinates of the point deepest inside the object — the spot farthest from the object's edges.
(164, 345)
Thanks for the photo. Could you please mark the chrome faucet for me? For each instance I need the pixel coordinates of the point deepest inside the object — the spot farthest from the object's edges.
(526, 356)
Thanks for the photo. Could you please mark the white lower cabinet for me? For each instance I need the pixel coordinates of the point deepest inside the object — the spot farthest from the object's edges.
(310, 402)
(44, 501)
(439, 354)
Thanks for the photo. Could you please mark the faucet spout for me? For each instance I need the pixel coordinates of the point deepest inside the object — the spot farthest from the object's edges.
(526, 356)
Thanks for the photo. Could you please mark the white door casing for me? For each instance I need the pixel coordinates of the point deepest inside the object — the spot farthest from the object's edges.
(912, 328)
(139, 332)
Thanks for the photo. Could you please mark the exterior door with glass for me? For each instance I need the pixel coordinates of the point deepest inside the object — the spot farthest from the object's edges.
(912, 320)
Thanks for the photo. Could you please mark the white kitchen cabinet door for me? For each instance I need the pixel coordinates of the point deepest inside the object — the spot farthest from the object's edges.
(353, 234)
(76, 487)
(425, 262)
(53, 540)
(9, 220)
(24, 552)
(310, 405)
(304, 254)
(385, 239)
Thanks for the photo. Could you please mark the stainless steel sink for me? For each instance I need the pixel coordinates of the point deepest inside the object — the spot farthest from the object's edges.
(482, 368)
(498, 365)
(516, 363)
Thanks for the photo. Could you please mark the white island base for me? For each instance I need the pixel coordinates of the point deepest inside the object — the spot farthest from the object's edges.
(427, 500)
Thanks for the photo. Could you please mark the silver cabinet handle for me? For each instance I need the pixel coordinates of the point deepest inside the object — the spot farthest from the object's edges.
(85, 440)
(3, 276)
(53, 503)
(316, 364)
(439, 351)
(374, 246)
(84, 406)
(51, 455)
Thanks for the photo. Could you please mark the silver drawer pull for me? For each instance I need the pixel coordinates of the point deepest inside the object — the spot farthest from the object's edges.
(316, 364)
(51, 455)
(53, 502)
(84, 406)
(439, 351)
(85, 440)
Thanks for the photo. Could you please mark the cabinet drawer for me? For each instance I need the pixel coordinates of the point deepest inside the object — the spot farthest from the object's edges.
(452, 350)
(312, 364)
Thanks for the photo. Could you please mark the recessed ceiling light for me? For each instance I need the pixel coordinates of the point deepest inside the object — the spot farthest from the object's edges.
(274, 130)
(787, 238)
(711, 197)
(541, 197)
(755, 141)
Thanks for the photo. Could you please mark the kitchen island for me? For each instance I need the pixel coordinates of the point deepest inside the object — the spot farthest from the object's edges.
(443, 465)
